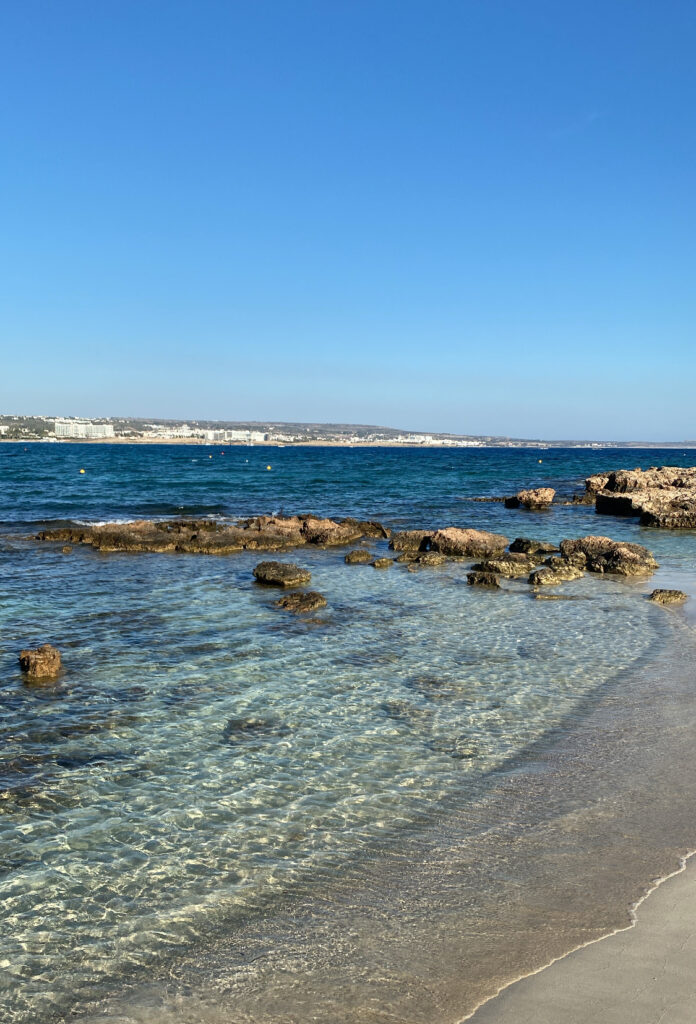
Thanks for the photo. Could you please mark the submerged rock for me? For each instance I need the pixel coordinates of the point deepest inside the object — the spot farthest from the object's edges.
(428, 558)
(66, 549)
(604, 555)
(471, 543)
(509, 565)
(360, 556)
(526, 546)
(382, 563)
(482, 579)
(668, 596)
(561, 570)
(533, 498)
(305, 601)
(42, 662)
(281, 574)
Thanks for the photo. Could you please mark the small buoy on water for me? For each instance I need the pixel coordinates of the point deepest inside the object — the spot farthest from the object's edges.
(82, 470)
(210, 456)
(541, 460)
(268, 467)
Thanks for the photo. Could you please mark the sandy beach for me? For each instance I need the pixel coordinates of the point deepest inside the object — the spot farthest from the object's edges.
(641, 975)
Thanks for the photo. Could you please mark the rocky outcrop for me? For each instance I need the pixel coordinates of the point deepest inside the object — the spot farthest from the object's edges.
(206, 536)
(281, 574)
(361, 556)
(382, 563)
(482, 579)
(468, 543)
(662, 496)
(411, 540)
(42, 662)
(525, 546)
(533, 498)
(511, 565)
(368, 528)
(603, 555)
(551, 575)
(428, 558)
(328, 533)
(303, 601)
(668, 596)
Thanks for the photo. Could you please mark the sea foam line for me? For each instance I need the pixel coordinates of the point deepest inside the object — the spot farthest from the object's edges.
(633, 921)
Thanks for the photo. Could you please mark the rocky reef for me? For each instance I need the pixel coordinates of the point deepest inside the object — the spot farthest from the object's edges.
(206, 536)
(662, 496)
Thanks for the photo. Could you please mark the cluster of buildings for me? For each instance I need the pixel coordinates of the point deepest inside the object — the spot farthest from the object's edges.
(83, 428)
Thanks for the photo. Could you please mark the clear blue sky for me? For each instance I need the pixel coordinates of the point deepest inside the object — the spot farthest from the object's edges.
(472, 215)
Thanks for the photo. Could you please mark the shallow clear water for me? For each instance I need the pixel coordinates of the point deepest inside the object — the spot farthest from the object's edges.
(206, 756)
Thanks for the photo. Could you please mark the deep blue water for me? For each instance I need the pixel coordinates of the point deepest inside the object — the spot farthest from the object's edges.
(203, 752)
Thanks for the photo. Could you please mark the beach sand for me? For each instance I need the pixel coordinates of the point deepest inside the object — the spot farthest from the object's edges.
(645, 974)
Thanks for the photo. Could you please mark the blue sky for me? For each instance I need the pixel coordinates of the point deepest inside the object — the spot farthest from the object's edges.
(470, 215)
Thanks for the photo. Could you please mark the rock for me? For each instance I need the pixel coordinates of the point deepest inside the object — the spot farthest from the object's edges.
(535, 498)
(663, 497)
(512, 567)
(304, 601)
(603, 555)
(429, 558)
(553, 575)
(482, 579)
(281, 574)
(368, 528)
(411, 540)
(382, 563)
(525, 546)
(469, 543)
(40, 662)
(326, 532)
(553, 597)
(206, 536)
(668, 596)
(359, 556)
(66, 549)
(408, 556)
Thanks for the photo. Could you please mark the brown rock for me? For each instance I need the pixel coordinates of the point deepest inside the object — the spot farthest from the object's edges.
(306, 601)
(668, 596)
(66, 549)
(40, 662)
(326, 532)
(360, 556)
(663, 496)
(429, 558)
(469, 543)
(482, 579)
(603, 555)
(525, 546)
(511, 568)
(382, 563)
(553, 575)
(411, 540)
(534, 498)
(281, 574)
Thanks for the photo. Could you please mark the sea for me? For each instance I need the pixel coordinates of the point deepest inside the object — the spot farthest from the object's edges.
(383, 811)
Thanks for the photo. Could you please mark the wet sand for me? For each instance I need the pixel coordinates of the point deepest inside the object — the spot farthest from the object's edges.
(644, 974)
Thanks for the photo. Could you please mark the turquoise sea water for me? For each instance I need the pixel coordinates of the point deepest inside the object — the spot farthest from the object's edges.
(206, 758)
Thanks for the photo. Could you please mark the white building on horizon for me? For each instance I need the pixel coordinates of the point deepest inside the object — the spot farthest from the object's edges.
(83, 428)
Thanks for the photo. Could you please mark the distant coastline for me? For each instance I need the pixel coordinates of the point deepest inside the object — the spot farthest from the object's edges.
(327, 443)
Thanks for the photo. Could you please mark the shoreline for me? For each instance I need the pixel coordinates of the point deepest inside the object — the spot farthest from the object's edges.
(568, 984)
